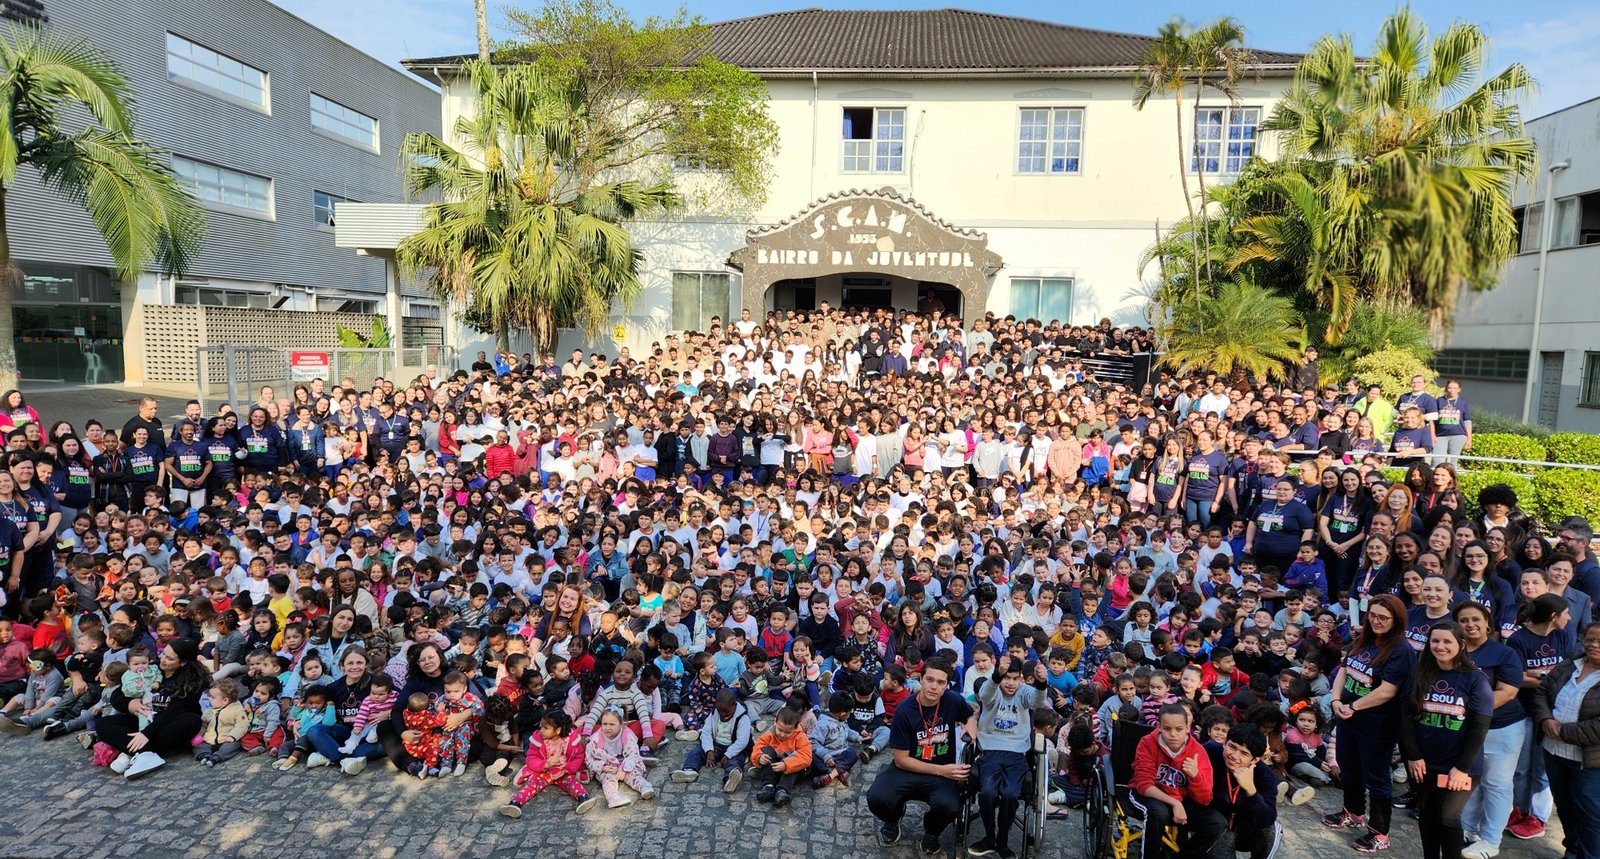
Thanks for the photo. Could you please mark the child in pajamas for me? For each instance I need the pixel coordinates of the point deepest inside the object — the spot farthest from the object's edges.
(455, 745)
(613, 758)
(555, 756)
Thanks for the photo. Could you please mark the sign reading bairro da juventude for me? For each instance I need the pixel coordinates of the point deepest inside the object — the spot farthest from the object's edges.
(867, 231)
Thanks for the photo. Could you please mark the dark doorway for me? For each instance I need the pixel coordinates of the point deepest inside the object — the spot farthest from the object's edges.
(852, 297)
(941, 297)
(795, 294)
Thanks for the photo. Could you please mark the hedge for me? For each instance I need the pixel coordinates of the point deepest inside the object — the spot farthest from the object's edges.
(1572, 447)
(1562, 492)
(1506, 446)
(1473, 481)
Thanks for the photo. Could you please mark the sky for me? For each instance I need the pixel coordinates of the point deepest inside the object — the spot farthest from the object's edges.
(1559, 42)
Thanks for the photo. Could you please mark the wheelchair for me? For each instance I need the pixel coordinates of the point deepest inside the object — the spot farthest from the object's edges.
(1113, 824)
(1031, 811)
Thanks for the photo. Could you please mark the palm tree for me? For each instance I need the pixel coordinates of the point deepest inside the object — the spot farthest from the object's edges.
(144, 214)
(1301, 236)
(1422, 151)
(515, 237)
(1163, 70)
(1218, 59)
(1242, 331)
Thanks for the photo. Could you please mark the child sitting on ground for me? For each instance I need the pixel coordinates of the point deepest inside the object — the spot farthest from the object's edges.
(223, 724)
(700, 695)
(832, 756)
(1308, 752)
(613, 758)
(497, 732)
(374, 708)
(723, 741)
(780, 756)
(555, 756)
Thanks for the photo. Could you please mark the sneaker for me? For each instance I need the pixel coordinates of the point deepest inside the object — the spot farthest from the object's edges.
(930, 845)
(619, 802)
(1283, 790)
(1480, 850)
(650, 760)
(55, 729)
(888, 833)
(688, 735)
(1342, 819)
(144, 762)
(497, 779)
(1005, 851)
(87, 739)
(353, 766)
(587, 804)
(1302, 796)
(121, 764)
(866, 755)
(982, 847)
(316, 759)
(1372, 842)
(821, 781)
(512, 810)
(843, 780)
(766, 792)
(417, 769)
(1399, 775)
(1528, 828)
(685, 776)
(1517, 816)
(208, 762)
(11, 726)
(648, 793)
(1408, 799)
(433, 772)
(780, 799)
(731, 781)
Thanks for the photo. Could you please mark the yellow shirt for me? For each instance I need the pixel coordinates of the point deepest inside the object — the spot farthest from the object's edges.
(281, 606)
(1074, 646)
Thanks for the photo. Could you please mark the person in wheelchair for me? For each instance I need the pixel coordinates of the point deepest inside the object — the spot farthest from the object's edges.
(1172, 783)
(1005, 732)
(1245, 791)
(922, 738)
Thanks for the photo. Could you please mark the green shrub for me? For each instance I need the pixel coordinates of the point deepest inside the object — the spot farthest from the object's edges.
(1391, 370)
(1393, 474)
(1563, 492)
(1505, 446)
(1493, 422)
(1577, 448)
(1473, 481)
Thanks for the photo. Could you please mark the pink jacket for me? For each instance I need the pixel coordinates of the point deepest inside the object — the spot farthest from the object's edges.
(539, 759)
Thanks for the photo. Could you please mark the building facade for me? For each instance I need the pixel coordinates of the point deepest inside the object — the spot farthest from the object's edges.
(274, 123)
(1504, 360)
(946, 158)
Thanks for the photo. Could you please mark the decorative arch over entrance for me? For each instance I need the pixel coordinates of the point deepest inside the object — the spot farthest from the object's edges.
(859, 231)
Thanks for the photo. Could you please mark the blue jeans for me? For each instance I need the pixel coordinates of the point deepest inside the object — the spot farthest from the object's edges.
(1197, 511)
(1577, 799)
(1490, 805)
(1000, 778)
(1533, 786)
(696, 759)
(326, 740)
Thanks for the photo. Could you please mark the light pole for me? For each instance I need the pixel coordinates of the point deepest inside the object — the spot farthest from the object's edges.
(1547, 230)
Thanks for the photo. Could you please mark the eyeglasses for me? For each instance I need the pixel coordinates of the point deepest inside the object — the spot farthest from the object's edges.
(1375, 617)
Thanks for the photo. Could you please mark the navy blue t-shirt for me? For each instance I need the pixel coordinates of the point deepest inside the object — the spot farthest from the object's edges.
(1418, 626)
(1205, 476)
(1540, 652)
(1363, 673)
(1447, 705)
(929, 733)
(1502, 665)
(1280, 527)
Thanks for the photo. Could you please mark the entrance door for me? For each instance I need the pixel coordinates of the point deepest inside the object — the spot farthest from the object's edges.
(1550, 387)
(866, 297)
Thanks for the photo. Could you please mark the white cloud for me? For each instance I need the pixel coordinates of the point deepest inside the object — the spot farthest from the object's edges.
(1563, 53)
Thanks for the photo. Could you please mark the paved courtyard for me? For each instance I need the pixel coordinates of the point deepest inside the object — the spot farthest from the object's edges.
(59, 806)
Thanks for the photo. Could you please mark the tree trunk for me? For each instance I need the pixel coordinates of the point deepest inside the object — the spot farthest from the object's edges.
(481, 8)
(1188, 200)
(10, 276)
(502, 336)
(1200, 175)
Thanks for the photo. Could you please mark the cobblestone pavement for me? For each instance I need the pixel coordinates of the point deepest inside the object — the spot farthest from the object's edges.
(59, 806)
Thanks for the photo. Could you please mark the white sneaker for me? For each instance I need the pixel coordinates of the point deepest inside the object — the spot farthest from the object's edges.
(588, 804)
(1302, 796)
(1480, 850)
(1399, 776)
(619, 802)
(144, 762)
(316, 759)
(1057, 797)
(353, 766)
(121, 764)
(1283, 790)
(647, 793)
(685, 776)
(688, 735)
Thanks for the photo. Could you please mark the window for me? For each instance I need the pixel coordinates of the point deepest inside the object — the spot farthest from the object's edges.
(203, 294)
(223, 187)
(341, 121)
(1532, 228)
(1049, 140)
(199, 64)
(322, 204)
(696, 297)
(1046, 299)
(1590, 395)
(1224, 138)
(1509, 365)
(339, 304)
(874, 139)
(1577, 221)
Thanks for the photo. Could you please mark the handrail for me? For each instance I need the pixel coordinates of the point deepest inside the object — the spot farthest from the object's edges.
(1434, 459)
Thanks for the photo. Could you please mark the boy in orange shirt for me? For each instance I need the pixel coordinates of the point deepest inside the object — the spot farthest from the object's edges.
(780, 756)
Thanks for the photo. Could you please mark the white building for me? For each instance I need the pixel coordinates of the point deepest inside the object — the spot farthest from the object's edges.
(1493, 346)
(995, 162)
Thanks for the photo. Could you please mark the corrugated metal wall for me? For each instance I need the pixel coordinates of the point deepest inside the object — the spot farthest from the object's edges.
(188, 121)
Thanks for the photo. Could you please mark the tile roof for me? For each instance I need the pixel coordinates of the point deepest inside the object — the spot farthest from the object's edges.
(933, 40)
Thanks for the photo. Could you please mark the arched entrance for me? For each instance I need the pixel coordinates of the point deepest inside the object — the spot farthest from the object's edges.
(868, 248)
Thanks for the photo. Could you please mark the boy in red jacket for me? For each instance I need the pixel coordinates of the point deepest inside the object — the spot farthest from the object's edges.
(1172, 781)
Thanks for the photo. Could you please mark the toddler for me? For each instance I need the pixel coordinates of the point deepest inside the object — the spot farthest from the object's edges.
(373, 709)
(723, 740)
(613, 757)
(780, 756)
(1308, 753)
(264, 732)
(555, 755)
(140, 680)
(223, 724)
(455, 744)
(315, 708)
(832, 755)
(700, 695)
(426, 722)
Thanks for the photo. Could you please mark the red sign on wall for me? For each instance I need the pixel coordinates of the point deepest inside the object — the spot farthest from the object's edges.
(306, 366)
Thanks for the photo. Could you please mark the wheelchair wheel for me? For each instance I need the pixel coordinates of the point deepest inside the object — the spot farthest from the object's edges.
(1097, 817)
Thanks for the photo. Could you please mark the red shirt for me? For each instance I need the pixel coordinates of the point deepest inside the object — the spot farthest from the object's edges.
(1154, 764)
(892, 700)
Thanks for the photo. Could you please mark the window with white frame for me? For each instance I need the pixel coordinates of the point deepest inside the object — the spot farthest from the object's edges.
(696, 297)
(223, 187)
(340, 121)
(1224, 138)
(1590, 395)
(1049, 139)
(202, 293)
(1046, 299)
(322, 205)
(1532, 228)
(199, 64)
(874, 139)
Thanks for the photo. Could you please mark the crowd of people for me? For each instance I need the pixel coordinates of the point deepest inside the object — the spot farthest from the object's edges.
(800, 543)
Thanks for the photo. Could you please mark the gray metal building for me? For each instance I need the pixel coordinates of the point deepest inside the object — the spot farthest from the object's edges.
(273, 121)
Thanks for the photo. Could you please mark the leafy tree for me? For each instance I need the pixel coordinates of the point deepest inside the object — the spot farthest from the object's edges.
(1243, 331)
(1420, 150)
(144, 214)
